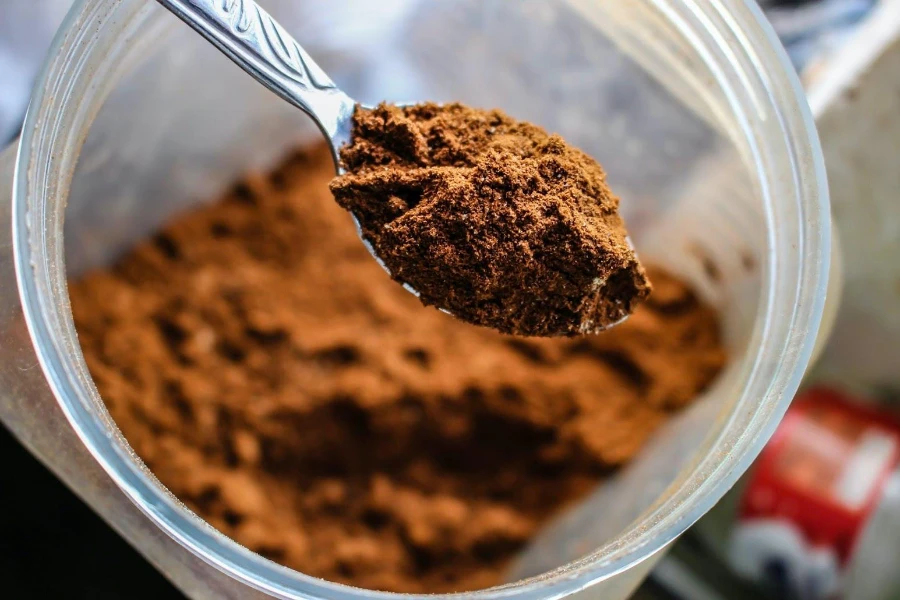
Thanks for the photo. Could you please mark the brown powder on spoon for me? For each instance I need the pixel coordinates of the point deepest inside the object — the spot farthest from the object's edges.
(492, 219)
(275, 380)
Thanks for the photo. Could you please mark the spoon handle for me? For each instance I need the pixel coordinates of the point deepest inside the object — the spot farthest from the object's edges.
(250, 37)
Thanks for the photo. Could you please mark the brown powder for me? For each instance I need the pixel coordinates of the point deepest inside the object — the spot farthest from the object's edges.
(270, 374)
(491, 219)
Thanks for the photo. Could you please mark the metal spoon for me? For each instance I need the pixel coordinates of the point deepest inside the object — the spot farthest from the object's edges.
(250, 37)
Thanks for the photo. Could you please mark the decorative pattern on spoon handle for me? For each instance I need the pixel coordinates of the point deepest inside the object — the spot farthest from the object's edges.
(252, 38)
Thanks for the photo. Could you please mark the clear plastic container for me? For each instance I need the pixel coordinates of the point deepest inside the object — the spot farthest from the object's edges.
(692, 107)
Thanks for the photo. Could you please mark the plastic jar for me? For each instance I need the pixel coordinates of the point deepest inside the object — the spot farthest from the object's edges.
(692, 107)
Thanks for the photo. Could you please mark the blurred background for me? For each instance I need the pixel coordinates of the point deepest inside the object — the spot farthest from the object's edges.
(73, 554)
(810, 29)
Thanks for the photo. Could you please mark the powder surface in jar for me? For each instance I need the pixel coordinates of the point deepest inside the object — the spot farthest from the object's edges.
(492, 219)
(270, 375)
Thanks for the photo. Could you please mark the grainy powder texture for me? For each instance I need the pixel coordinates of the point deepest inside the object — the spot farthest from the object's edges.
(490, 218)
(270, 374)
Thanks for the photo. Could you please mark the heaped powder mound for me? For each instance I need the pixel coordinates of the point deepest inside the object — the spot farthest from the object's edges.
(492, 219)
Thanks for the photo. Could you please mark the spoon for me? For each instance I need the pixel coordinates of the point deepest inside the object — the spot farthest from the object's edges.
(251, 38)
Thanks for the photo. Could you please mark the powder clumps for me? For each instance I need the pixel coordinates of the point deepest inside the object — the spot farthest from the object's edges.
(491, 219)
(269, 374)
